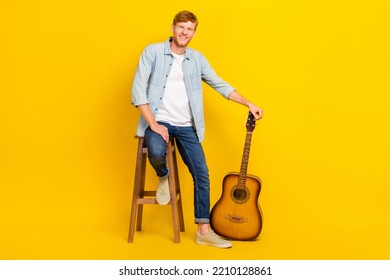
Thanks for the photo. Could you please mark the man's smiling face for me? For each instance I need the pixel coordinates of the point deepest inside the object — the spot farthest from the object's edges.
(183, 32)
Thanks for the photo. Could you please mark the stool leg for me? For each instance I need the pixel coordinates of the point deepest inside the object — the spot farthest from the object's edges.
(178, 191)
(172, 189)
(141, 192)
(139, 182)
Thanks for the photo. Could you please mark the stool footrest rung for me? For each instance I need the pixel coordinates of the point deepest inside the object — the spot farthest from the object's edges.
(149, 193)
(147, 200)
(152, 200)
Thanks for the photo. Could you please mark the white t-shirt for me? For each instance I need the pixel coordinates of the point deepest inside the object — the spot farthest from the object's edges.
(175, 108)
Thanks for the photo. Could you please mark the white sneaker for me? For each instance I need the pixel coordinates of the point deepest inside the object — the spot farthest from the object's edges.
(212, 239)
(162, 195)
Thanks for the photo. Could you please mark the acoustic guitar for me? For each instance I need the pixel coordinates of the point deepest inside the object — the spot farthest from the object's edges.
(237, 214)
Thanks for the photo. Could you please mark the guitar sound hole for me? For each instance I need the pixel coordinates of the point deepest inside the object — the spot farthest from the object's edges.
(240, 195)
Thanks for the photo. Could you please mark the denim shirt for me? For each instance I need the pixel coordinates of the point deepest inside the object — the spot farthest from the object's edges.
(151, 77)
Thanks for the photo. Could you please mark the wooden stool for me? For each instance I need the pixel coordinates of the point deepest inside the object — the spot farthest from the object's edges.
(142, 196)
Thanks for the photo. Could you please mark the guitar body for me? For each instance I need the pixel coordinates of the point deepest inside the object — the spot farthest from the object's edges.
(237, 214)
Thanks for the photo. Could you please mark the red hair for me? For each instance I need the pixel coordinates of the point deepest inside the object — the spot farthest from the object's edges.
(185, 16)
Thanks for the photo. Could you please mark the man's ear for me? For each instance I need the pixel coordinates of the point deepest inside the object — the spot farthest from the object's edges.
(172, 27)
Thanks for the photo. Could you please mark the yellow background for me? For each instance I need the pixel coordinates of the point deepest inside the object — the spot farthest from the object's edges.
(319, 69)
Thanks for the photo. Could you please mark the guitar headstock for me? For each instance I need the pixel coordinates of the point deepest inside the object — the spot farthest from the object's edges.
(250, 123)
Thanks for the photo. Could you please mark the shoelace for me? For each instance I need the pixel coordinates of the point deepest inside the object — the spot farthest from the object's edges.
(212, 234)
(163, 190)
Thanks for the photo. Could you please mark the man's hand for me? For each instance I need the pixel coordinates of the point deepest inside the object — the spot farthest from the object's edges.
(154, 126)
(162, 130)
(256, 111)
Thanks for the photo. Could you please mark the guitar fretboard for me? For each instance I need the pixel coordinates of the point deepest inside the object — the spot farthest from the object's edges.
(244, 161)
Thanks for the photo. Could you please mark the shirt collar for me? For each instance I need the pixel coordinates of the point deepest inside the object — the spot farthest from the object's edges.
(167, 49)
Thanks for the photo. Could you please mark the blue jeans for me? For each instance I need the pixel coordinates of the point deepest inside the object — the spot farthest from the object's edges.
(191, 152)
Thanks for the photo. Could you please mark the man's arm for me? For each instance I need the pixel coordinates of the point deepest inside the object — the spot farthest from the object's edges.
(139, 90)
(154, 126)
(236, 97)
(212, 79)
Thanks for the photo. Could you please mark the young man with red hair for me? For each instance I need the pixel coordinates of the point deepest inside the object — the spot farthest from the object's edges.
(167, 89)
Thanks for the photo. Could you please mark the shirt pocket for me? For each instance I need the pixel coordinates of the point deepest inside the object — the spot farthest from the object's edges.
(196, 81)
(156, 78)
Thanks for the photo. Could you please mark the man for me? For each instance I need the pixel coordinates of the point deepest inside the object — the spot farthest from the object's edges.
(167, 89)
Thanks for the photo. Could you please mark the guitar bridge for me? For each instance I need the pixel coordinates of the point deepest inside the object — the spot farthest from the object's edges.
(236, 219)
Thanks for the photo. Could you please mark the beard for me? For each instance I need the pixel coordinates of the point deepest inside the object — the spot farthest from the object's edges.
(181, 43)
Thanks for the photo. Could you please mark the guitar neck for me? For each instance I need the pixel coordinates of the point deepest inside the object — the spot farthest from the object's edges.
(245, 160)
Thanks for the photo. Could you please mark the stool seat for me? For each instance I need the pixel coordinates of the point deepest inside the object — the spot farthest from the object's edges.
(142, 196)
